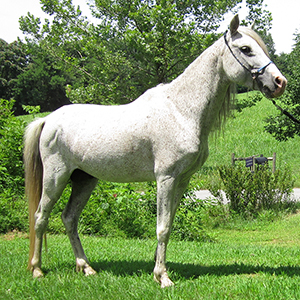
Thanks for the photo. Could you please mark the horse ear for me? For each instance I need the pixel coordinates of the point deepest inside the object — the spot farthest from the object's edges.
(253, 25)
(234, 24)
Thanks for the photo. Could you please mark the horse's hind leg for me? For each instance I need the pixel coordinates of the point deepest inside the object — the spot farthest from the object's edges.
(82, 187)
(53, 187)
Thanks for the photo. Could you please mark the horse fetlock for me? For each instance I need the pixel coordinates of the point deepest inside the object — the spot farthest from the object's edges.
(83, 266)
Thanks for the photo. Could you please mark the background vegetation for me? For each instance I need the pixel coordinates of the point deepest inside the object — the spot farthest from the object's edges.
(132, 46)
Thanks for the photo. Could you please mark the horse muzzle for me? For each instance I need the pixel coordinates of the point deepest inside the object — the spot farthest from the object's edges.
(273, 89)
(280, 83)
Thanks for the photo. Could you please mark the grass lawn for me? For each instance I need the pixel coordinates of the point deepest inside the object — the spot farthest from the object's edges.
(258, 262)
(244, 135)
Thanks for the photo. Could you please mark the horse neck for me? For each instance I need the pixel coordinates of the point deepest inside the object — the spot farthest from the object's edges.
(201, 89)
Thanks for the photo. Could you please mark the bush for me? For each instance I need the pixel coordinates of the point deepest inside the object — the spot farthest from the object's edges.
(11, 146)
(13, 212)
(250, 193)
(119, 210)
(13, 208)
(188, 223)
(248, 101)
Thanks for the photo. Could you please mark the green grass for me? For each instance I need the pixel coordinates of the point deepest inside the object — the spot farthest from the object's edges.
(260, 263)
(244, 135)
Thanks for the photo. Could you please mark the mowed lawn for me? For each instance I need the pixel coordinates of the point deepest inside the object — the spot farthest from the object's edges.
(244, 135)
(258, 262)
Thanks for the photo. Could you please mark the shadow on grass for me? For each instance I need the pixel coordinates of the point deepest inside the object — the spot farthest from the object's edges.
(178, 270)
(193, 271)
(123, 268)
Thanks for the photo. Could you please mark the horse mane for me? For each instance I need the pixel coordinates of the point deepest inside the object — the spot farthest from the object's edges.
(229, 99)
(226, 108)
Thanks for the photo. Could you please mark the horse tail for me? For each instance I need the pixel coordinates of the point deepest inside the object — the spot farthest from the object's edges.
(33, 175)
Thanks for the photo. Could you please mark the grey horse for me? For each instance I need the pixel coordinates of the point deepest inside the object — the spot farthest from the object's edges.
(161, 136)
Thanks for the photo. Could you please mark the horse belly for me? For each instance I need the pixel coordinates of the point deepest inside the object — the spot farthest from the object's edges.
(119, 162)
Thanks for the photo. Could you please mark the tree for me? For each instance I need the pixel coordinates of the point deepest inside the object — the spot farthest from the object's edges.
(280, 126)
(30, 77)
(13, 62)
(41, 83)
(136, 45)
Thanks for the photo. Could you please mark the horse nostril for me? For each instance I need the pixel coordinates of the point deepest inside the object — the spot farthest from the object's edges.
(280, 84)
(278, 81)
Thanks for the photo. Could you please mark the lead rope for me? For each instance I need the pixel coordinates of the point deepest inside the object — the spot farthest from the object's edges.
(289, 115)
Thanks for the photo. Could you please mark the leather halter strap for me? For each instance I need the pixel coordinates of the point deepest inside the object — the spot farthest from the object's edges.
(254, 72)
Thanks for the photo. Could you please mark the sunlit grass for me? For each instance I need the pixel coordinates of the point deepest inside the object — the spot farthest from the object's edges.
(245, 136)
(261, 262)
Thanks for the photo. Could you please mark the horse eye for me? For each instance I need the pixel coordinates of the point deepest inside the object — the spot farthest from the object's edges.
(246, 50)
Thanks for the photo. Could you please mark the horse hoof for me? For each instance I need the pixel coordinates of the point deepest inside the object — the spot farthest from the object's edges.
(164, 281)
(89, 271)
(37, 273)
(83, 266)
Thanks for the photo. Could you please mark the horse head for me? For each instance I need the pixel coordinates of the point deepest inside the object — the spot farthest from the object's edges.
(247, 62)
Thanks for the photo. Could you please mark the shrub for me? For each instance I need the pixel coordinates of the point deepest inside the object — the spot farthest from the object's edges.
(13, 212)
(120, 210)
(117, 209)
(250, 193)
(188, 223)
(11, 146)
(248, 101)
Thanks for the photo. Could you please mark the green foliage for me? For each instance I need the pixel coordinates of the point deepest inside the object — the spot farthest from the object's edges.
(13, 211)
(250, 193)
(31, 109)
(249, 101)
(121, 210)
(134, 46)
(41, 84)
(279, 125)
(13, 62)
(11, 145)
(188, 224)
(13, 214)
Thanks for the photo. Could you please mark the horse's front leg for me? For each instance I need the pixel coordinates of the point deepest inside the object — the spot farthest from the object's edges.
(168, 198)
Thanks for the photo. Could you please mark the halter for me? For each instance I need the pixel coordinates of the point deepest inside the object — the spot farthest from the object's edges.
(254, 72)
